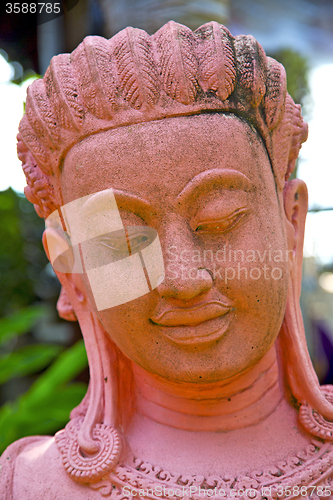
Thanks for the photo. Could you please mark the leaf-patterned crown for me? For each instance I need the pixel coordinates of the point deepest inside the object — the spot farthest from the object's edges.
(133, 78)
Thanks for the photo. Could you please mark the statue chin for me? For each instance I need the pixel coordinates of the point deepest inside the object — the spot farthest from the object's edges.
(161, 165)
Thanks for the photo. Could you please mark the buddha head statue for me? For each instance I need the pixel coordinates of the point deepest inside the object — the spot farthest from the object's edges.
(161, 165)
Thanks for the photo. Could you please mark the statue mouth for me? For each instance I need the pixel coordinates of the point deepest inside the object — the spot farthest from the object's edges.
(201, 324)
(191, 316)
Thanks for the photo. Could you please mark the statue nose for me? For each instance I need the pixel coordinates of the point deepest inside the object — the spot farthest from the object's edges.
(185, 288)
(185, 276)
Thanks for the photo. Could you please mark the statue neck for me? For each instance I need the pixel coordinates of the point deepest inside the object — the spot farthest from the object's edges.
(243, 400)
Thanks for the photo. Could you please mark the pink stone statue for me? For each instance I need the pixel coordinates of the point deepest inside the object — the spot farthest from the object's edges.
(161, 166)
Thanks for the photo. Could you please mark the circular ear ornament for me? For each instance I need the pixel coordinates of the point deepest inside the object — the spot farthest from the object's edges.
(83, 468)
(313, 421)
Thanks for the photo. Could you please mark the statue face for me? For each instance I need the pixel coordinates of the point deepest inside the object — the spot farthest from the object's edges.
(205, 184)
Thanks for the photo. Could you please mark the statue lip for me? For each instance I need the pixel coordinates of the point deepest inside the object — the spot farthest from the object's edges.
(200, 324)
(191, 316)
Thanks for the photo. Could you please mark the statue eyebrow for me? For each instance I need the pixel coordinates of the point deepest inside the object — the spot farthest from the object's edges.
(226, 178)
(131, 202)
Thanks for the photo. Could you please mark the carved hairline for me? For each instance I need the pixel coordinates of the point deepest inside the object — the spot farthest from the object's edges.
(241, 117)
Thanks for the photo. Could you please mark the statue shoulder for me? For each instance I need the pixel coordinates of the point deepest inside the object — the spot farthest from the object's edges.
(8, 462)
(31, 469)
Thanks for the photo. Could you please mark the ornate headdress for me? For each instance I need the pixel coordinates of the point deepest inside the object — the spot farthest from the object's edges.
(134, 78)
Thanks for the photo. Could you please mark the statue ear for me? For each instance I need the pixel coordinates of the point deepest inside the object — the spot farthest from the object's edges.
(64, 307)
(60, 254)
(303, 380)
(295, 196)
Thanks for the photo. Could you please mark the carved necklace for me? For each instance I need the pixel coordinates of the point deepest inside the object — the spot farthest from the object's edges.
(312, 466)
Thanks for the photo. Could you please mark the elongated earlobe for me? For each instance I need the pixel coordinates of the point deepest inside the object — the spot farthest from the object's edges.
(64, 307)
(90, 444)
(295, 195)
(61, 256)
(302, 378)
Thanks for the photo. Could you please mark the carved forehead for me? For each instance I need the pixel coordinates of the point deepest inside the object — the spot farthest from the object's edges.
(170, 150)
(206, 132)
(159, 132)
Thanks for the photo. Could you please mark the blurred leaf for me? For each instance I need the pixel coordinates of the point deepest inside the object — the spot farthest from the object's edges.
(56, 406)
(45, 418)
(7, 424)
(27, 360)
(22, 259)
(68, 364)
(45, 407)
(20, 322)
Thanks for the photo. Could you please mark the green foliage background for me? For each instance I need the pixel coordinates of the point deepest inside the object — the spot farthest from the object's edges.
(27, 293)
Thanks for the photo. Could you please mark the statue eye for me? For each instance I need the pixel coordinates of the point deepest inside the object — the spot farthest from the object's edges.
(117, 245)
(223, 224)
(139, 237)
(137, 240)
